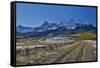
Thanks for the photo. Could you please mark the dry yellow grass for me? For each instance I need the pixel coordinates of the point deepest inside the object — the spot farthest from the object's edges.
(85, 36)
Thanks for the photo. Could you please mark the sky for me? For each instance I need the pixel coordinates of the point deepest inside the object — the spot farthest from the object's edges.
(32, 15)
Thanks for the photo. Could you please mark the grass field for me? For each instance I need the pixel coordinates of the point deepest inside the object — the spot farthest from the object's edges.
(85, 36)
(82, 50)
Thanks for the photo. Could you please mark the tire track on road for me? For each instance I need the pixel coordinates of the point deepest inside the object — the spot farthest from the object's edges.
(71, 56)
(52, 60)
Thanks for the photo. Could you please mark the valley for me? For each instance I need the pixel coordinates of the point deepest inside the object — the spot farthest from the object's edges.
(55, 50)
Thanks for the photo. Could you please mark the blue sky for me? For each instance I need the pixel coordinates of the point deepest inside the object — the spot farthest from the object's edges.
(33, 15)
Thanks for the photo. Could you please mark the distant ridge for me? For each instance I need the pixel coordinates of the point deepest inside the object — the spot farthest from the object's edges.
(46, 29)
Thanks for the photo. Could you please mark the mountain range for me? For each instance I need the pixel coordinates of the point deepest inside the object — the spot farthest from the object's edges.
(52, 29)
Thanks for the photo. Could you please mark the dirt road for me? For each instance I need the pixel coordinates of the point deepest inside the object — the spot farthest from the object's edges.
(83, 51)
